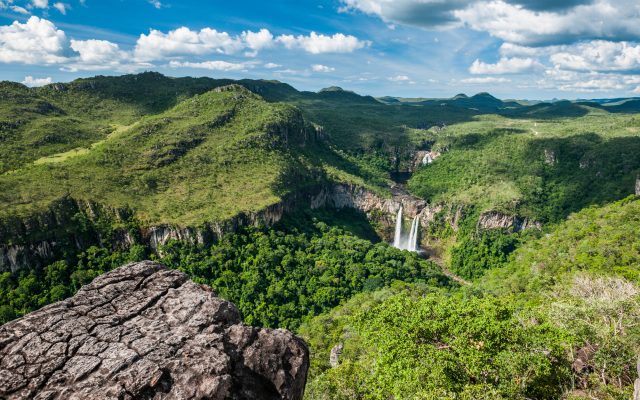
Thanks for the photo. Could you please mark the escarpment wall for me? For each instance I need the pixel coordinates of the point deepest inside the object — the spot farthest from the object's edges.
(74, 225)
(496, 220)
(66, 224)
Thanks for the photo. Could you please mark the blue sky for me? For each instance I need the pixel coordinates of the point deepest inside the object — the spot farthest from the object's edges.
(414, 48)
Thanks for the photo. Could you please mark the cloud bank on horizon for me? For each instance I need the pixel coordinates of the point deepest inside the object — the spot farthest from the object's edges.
(517, 48)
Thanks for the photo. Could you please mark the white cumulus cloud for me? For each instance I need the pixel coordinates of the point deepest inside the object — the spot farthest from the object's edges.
(318, 43)
(587, 82)
(61, 7)
(98, 51)
(257, 41)
(183, 41)
(528, 22)
(37, 41)
(20, 10)
(34, 82)
(212, 65)
(512, 23)
(485, 80)
(504, 66)
(322, 68)
(598, 55)
(400, 78)
(40, 3)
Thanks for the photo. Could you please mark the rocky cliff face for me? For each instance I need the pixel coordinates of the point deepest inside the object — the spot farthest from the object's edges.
(67, 223)
(145, 332)
(35, 241)
(422, 158)
(496, 220)
(352, 196)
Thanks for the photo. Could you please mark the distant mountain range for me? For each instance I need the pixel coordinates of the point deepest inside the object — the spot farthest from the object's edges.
(485, 102)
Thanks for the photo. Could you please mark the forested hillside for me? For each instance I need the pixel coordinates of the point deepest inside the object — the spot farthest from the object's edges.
(559, 320)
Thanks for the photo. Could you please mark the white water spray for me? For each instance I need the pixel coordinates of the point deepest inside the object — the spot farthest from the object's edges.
(412, 244)
(397, 238)
(400, 240)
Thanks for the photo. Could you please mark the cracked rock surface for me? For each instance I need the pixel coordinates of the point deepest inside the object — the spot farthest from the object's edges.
(143, 331)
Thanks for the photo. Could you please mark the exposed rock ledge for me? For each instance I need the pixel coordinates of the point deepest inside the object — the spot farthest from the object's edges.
(146, 332)
(497, 220)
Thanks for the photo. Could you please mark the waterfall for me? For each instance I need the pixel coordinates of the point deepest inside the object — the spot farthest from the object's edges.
(412, 244)
(397, 238)
(403, 242)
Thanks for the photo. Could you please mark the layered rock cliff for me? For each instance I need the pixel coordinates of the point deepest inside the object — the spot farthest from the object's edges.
(497, 220)
(70, 225)
(145, 332)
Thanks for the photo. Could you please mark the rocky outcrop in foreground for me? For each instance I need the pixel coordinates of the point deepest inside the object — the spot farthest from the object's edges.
(146, 332)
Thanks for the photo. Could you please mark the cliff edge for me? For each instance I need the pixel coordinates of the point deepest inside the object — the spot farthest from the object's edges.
(143, 331)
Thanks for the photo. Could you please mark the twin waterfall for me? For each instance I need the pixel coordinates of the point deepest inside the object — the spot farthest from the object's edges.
(400, 240)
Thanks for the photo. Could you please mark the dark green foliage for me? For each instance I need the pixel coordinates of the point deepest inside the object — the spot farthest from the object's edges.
(278, 279)
(31, 289)
(569, 293)
(478, 252)
(209, 158)
(544, 177)
(602, 240)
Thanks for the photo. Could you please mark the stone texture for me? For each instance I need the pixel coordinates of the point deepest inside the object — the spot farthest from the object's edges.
(334, 355)
(146, 332)
(497, 220)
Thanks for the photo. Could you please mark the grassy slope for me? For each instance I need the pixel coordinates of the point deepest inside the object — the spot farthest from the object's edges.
(494, 162)
(500, 163)
(207, 158)
(85, 138)
(60, 117)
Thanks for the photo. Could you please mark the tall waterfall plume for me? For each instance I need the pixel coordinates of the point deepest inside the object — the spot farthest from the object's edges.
(412, 243)
(400, 239)
(397, 238)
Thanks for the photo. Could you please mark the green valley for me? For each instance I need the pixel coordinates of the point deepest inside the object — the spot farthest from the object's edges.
(526, 285)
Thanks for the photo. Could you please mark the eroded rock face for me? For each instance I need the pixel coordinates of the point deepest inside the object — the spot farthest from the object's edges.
(146, 332)
(496, 220)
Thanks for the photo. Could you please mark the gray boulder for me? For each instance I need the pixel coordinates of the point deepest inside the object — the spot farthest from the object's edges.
(143, 331)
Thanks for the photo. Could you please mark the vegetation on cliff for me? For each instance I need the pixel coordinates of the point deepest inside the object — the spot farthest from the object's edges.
(277, 278)
(543, 169)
